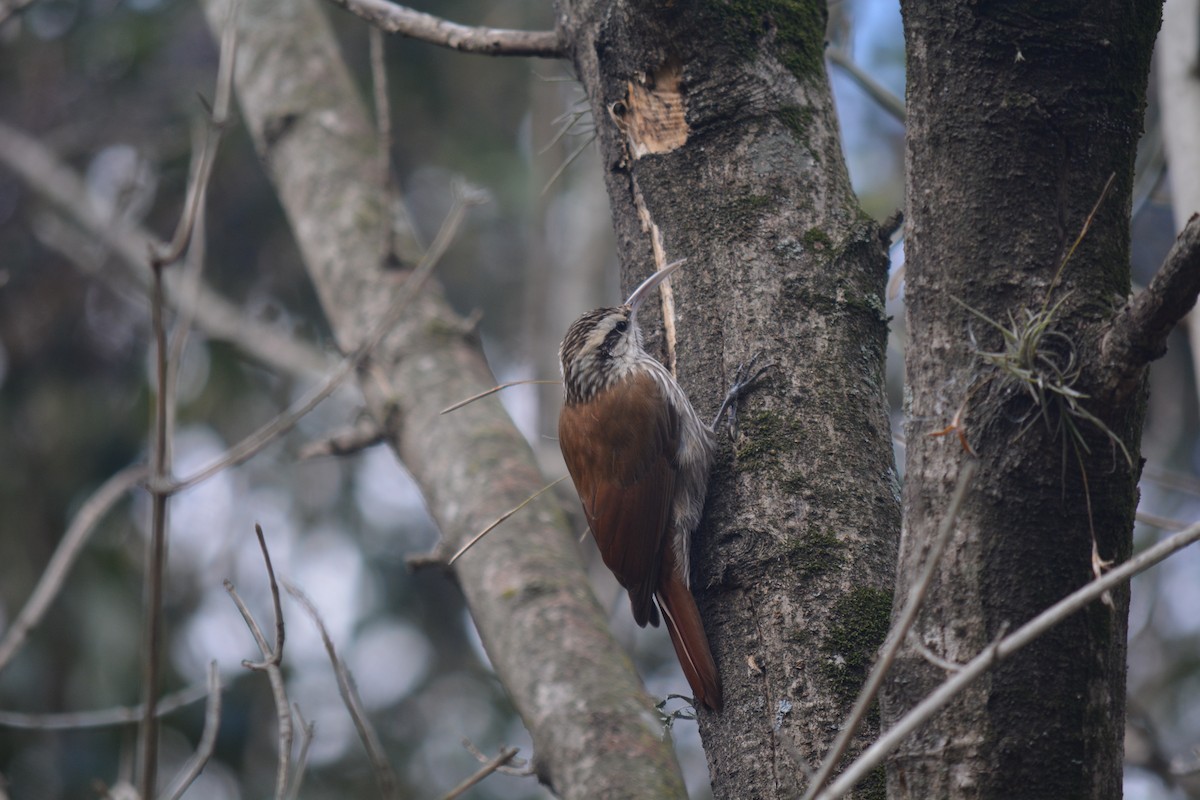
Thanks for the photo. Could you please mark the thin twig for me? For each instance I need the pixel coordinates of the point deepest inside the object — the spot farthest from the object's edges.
(1172, 479)
(384, 774)
(307, 731)
(192, 273)
(281, 424)
(500, 760)
(1162, 523)
(521, 767)
(897, 635)
(568, 161)
(272, 658)
(63, 189)
(1087, 224)
(492, 391)
(103, 718)
(874, 755)
(156, 553)
(364, 433)
(198, 185)
(160, 465)
(51, 581)
(208, 739)
(930, 656)
(503, 517)
(435, 30)
(247, 617)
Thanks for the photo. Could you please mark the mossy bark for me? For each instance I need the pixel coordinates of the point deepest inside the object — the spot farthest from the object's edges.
(720, 144)
(1018, 113)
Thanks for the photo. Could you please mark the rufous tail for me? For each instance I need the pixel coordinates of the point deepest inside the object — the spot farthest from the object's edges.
(687, 634)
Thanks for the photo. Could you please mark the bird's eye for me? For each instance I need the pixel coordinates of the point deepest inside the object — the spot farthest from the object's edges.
(622, 326)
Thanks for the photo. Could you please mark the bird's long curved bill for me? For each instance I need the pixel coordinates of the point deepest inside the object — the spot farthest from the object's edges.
(647, 286)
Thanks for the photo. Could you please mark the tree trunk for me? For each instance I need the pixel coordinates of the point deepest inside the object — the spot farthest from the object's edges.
(1018, 113)
(720, 144)
(544, 631)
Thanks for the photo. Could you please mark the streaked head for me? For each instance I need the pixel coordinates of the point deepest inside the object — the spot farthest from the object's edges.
(603, 345)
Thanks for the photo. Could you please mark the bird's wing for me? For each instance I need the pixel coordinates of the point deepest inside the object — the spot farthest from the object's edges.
(620, 450)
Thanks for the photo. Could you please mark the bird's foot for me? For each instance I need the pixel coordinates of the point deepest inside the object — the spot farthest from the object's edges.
(743, 380)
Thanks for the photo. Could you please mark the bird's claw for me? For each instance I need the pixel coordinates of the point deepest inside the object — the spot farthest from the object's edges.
(743, 379)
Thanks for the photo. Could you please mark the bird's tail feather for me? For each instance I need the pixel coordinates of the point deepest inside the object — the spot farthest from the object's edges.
(691, 643)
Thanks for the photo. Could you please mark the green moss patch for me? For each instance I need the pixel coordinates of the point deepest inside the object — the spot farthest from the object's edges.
(816, 552)
(860, 623)
(769, 436)
(795, 29)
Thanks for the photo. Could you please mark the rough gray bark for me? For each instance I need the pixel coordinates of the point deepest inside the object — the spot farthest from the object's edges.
(1017, 115)
(545, 633)
(719, 139)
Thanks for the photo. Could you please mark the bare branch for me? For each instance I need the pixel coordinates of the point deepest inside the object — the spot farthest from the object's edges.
(1138, 334)
(62, 187)
(930, 656)
(160, 463)
(520, 767)
(307, 731)
(1172, 479)
(121, 715)
(384, 774)
(192, 273)
(874, 755)
(503, 517)
(51, 581)
(896, 636)
(465, 38)
(875, 90)
(1156, 521)
(500, 760)
(255, 442)
(277, 653)
(272, 658)
(364, 433)
(492, 391)
(208, 739)
(156, 550)
(202, 172)
(248, 618)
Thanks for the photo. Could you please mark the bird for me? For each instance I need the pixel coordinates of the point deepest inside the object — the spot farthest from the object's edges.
(639, 457)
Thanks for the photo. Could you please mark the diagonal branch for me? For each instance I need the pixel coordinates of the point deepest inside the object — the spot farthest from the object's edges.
(874, 755)
(64, 557)
(385, 776)
(1138, 334)
(101, 718)
(897, 636)
(208, 739)
(55, 182)
(465, 38)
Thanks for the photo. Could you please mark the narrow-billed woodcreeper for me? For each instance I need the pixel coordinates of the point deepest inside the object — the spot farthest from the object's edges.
(639, 457)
